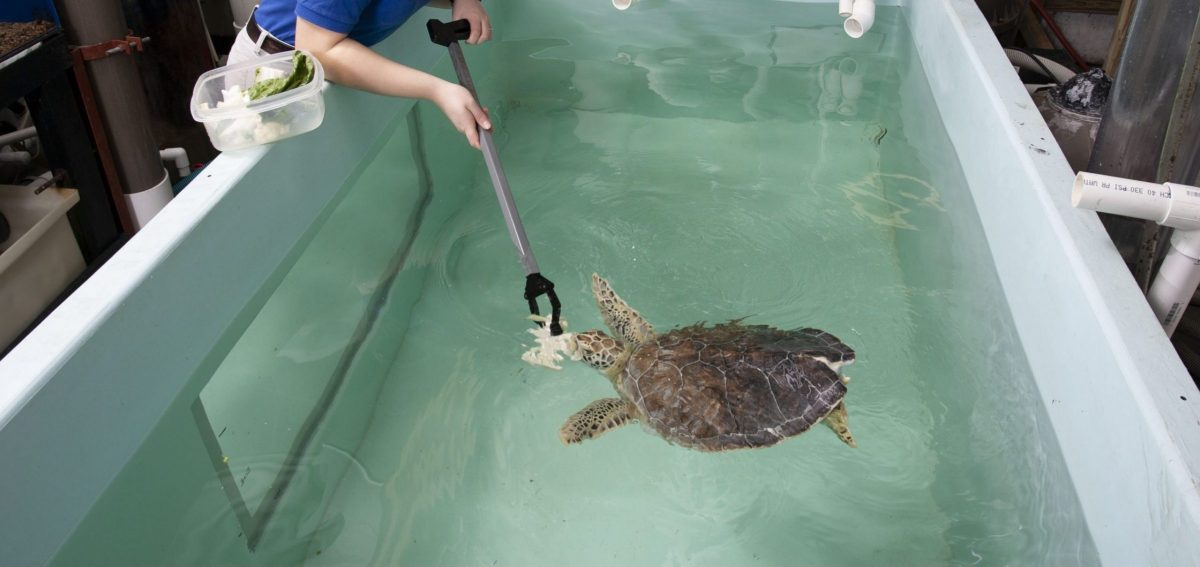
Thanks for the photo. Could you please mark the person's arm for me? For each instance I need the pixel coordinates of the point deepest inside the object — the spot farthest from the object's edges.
(350, 63)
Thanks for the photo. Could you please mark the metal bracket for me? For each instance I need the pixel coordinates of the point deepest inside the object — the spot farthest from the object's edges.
(101, 50)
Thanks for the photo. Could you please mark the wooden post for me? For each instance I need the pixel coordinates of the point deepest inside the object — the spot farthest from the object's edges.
(1033, 32)
(1113, 60)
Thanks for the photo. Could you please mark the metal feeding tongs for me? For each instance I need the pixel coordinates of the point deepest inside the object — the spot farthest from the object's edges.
(449, 34)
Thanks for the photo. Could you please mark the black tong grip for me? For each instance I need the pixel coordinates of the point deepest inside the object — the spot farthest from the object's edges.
(444, 34)
(535, 285)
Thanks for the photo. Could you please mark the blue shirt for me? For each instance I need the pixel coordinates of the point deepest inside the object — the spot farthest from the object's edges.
(365, 21)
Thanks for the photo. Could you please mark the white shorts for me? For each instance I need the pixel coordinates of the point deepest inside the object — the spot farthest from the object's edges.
(244, 48)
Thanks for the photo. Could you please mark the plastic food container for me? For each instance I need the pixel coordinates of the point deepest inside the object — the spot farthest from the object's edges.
(220, 102)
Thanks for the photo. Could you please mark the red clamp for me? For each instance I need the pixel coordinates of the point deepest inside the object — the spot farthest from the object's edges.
(113, 47)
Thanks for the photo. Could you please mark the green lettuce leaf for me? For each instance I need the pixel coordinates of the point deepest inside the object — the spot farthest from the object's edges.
(302, 73)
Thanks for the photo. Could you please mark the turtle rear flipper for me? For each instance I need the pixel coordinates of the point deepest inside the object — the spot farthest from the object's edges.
(593, 420)
(623, 320)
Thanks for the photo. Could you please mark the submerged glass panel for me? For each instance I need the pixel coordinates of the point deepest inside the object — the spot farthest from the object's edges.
(714, 160)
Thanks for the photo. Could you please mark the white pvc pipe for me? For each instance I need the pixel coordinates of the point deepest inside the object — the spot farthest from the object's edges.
(1177, 279)
(1168, 204)
(39, 180)
(623, 4)
(18, 136)
(1021, 59)
(180, 158)
(845, 7)
(862, 17)
(21, 158)
(145, 204)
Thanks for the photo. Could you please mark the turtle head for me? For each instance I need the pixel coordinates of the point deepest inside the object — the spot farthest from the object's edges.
(597, 349)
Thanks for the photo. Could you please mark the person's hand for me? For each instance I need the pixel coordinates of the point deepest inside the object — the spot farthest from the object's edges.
(472, 11)
(462, 110)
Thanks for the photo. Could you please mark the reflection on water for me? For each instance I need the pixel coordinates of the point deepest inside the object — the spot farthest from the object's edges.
(713, 162)
(890, 208)
(841, 86)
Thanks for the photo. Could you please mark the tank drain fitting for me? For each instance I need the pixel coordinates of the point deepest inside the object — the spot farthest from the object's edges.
(859, 14)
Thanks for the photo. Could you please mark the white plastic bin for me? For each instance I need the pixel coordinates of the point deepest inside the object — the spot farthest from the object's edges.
(40, 257)
(234, 123)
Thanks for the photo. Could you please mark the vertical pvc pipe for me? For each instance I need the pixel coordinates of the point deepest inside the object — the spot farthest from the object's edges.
(119, 94)
(1177, 280)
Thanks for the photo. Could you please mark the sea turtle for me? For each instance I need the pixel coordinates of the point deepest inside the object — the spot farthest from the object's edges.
(729, 386)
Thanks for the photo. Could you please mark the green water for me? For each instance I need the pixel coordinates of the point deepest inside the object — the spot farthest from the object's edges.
(699, 159)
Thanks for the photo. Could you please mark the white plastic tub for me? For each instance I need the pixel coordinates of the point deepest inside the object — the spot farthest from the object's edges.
(234, 123)
(40, 257)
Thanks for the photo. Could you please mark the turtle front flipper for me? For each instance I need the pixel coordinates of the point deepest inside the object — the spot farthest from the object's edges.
(838, 421)
(593, 420)
(623, 320)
